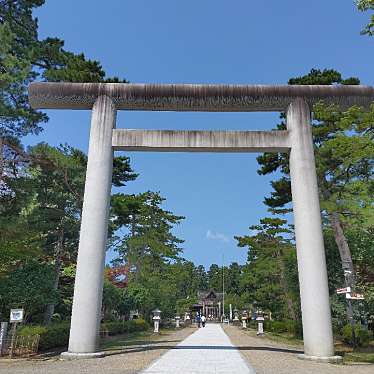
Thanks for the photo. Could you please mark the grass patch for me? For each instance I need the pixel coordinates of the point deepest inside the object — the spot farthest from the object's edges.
(359, 357)
(280, 338)
(128, 340)
(284, 338)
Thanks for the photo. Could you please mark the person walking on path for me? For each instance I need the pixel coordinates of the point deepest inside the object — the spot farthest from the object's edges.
(203, 319)
(198, 320)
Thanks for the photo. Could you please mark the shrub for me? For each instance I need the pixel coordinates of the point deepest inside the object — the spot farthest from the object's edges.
(362, 335)
(120, 327)
(279, 326)
(57, 335)
(252, 323)
(291, 326)
(167, 323)
(31, 330)
(113, 328)
(286, 326)
(52, 336)
(136, 325)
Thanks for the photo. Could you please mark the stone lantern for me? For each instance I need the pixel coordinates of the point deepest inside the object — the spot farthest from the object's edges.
(260, 323)
(244, 319)
(177, 319)
(156, 320)
(187, 318)
(236, 321)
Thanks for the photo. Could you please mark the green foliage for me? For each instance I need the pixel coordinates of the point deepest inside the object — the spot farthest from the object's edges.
(41, 212)
(235, 300)
(135, 325)
(150, 236)
(337, 135)
(113, 328)
(55, 335)
(184, 305)
(25, 58)
(214, 275)
(30, 286)
(284, 326)
(365, 5)
(362, 335)
(323, 77)
(41, 188)
(30, 330)
(112, 299)
(270, 276)
(122, 171)
(344, 153)
(150, 251)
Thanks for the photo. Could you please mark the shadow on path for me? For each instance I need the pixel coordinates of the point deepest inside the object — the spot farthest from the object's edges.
(201, 347)
(142, 343)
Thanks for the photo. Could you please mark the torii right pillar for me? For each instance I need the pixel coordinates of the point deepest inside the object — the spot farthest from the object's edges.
(314, 294)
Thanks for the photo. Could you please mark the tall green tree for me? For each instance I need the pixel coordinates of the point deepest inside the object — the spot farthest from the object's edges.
(147, 230)
(25, 58)
(214, 274)
(41, 215)
(343, 143)
(142, 235)
(269, 276)
(201, 278)
(57, 177)
(233, 276)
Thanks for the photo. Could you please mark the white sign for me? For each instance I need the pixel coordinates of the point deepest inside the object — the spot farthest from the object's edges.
(16, 315)
(354, 296)
(343, 290)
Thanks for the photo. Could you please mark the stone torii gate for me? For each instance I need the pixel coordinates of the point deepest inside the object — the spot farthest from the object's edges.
(106, 98)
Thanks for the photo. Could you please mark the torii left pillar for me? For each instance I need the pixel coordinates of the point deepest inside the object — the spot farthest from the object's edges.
(86, 314)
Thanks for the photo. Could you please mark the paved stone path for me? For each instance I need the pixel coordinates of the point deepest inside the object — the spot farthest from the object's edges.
(208, 350)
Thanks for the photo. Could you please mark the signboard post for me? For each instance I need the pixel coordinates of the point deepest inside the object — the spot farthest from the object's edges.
(16, 316)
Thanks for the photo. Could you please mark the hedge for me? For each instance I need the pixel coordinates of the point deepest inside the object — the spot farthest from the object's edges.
(57, 335)
(362, 335)
(119, 327)
(285, 326)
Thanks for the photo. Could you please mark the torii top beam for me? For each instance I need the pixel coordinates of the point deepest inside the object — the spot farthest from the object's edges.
(194, 97)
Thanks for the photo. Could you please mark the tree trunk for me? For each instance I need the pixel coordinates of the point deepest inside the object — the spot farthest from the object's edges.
(50, 309)
(340, 239)
(341, 242)
(347, 265)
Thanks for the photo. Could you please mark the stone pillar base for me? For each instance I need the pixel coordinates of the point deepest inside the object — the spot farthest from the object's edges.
(330, 359)
(78, 356)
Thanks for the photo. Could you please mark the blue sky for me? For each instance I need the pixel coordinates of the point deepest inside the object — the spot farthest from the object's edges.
(210, 41)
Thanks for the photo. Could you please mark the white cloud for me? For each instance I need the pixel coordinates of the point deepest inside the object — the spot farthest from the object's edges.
(217, 236)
